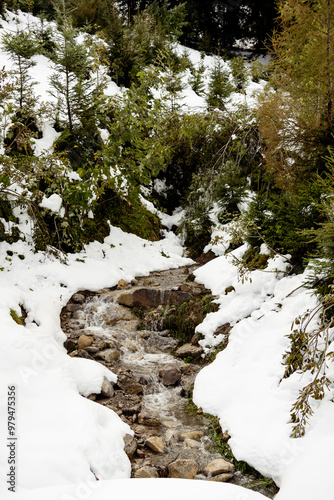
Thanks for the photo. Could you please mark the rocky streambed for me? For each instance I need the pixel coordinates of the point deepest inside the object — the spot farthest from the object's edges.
(125, 328)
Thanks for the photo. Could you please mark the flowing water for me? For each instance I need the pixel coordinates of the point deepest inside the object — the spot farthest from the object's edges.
(151, 408)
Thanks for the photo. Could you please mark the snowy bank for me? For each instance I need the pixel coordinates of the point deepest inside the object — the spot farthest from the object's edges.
(245, 387)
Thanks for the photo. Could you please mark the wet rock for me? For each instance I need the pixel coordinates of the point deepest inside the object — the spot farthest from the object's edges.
(92, 350)
(92, 397)
(78, 315)
(78, 297)
(148, 297)
(146, 472)
(218, 466)
(222, 478)
(148, 282)
(172, 436)
(195, 338)
(183, 468)
(226, 436)
(109, 355)
(155, 344)
(70, 307)
(140, 453)
(194, 289)
(132, 346)
(75, 325)
(128, 384)
(130, 445)
(122, 284)
(147, 417)
(164, 333)
(194, 435)
(80, 353)
(101, 344)
(188, 350)
(85, 341)
(154, 320)
(107, 389)
(223, 329)
(156, 444)
(170, 375)
(191, 443)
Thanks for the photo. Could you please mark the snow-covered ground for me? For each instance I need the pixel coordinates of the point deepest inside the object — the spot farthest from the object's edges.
(65, 441)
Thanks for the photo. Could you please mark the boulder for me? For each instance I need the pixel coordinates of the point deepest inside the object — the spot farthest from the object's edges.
(78, 297)
(191, 443)
(151, 297)
(188, 350)
(146, 471)
(218, 466)
(170, 375)
(147, 417)
(109, 355)
(70, 307)
(183, 468)
(80, 353)
(128, 384)
(172, 436)
(130, 445)
(156, 343)
(195, 338)
(107, 389)
(195, 435)
(222, 478)
(85, 341)
(156, 443)
(78, 315)
(122, 284)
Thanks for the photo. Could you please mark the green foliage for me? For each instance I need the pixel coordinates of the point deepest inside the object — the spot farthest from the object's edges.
(79, 95)
(220, 86)
(136, 148)
(182, 320)
(259, 70)
(196, 79)
(170, 20)
(132, 217)
(81, 146)
(132, 47)
(239, 72)
(21, 46)
(18, 319)
(193, 140)
(253, 259)
(323, 234)
(297, 119)
(308, 352)
(280, 220)
(224, 178)
(255, 479)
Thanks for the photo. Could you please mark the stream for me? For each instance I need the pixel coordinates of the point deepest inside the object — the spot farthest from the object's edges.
(153, 386)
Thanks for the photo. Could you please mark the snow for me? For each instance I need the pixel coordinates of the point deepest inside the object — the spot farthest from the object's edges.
(52, 202)
(142, 489)
(61, 434)
(247, 389)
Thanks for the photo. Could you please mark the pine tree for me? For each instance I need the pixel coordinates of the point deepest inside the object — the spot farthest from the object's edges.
(77, 93)
(21, 46)
(297, 120)
(220, 86)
